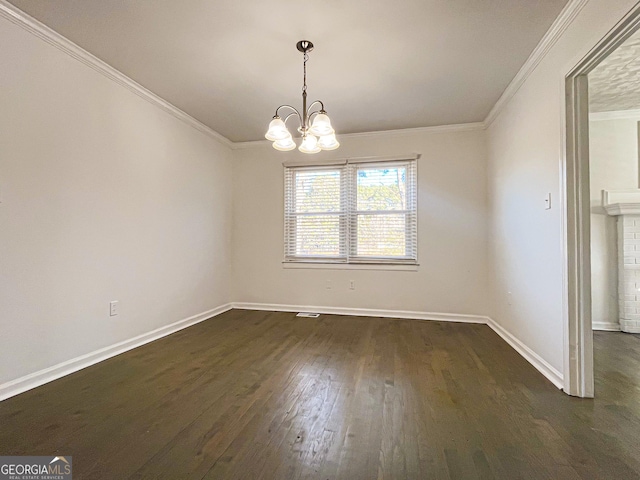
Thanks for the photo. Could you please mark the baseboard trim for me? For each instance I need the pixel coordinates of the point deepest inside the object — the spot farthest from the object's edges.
(363, 312)
(546, 369)
(33, 380)
(606, 326)
(41, 377)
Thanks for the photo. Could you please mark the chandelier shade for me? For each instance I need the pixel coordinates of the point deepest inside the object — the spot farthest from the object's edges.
(315, 136)
(277, 130)
(321, 125)
(285, 144)
(328, 142)
(309, 144)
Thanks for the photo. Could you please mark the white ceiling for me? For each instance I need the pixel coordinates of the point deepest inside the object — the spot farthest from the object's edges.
(377, 65)
(614, 85)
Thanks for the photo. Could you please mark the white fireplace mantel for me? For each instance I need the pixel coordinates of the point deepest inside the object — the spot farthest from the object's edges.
(621, 202)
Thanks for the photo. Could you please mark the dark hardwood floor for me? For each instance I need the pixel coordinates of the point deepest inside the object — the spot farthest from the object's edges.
(268, 395)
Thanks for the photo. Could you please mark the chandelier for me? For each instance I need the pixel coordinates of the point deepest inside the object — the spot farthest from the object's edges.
(316, 136)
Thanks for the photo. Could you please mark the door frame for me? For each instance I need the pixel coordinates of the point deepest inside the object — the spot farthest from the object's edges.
(576, 223)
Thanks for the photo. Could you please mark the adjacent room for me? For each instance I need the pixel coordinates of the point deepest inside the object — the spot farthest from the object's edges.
(283, 240)
(614, 136)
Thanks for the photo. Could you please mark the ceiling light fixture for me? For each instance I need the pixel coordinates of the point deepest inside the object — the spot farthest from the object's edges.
(316, 136)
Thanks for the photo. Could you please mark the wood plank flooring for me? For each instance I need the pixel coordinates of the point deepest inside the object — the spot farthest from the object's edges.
(266, 395)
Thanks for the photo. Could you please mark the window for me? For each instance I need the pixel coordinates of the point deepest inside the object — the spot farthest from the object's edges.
(353, 212)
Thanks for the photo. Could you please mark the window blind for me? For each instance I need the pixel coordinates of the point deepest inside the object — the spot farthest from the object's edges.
(315, 214)
(364, 212)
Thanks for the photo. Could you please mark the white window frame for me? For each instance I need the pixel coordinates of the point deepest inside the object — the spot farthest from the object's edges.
(290, 223)
(348, 189)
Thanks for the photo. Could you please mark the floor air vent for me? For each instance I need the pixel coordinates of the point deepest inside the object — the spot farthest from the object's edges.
(308, 315)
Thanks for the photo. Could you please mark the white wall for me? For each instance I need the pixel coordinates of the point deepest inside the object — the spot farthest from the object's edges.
(613, 165)
(452, 235)
(525, 149)
(104, 196)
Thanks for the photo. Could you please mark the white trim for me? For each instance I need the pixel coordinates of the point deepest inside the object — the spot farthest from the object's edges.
(349, 266)
(576, 220)
(364, 312)
(615, 115)
(461, 127)
(33, 380)
(457, 127)
(561, 23)
(327, 162)
(606, 326)
(385, 158)
(351, 160)
(545, 368)
(33, 26)
(578, 329)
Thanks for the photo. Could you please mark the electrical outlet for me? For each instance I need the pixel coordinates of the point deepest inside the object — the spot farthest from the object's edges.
(328, 284)
(352, 284)
(113, 308)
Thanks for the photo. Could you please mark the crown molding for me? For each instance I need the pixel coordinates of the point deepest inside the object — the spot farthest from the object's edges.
(40, 30)
(461, 127)
(561, 23)
(33, 26)
(615, 115)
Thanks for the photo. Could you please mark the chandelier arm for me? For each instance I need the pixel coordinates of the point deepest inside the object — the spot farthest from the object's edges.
(310, 116)
(295, 111)
(311, 106)
(291, 115)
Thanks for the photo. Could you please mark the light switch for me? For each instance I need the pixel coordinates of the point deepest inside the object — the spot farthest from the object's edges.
(547, 202)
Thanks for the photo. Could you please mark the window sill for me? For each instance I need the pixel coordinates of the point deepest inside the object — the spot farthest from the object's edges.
(349, 266)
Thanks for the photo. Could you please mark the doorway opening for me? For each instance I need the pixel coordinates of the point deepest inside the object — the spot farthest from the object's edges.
(592, 238)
